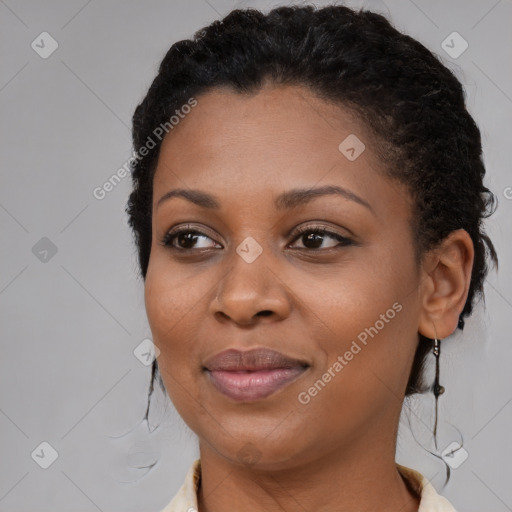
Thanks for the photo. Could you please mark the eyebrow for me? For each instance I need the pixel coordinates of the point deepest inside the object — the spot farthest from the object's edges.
(286, 200)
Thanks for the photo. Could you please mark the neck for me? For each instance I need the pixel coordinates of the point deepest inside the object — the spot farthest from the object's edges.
(343, 480)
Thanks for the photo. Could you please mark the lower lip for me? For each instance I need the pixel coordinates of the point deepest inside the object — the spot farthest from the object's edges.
(245, 386)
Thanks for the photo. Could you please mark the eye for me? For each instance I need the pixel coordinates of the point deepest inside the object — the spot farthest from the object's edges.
(186, 239)
(312, 237)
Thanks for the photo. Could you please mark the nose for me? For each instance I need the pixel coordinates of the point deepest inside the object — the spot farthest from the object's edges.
(250, 292)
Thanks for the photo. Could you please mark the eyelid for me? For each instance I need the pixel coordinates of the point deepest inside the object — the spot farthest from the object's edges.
(189, 227)
(319, 226)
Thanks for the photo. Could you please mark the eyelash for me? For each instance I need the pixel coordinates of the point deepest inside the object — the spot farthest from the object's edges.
(169, 237)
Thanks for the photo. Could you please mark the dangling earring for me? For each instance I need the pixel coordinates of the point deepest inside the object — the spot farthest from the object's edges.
(437, 388)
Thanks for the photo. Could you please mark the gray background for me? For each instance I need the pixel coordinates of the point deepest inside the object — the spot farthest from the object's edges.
(72, 320)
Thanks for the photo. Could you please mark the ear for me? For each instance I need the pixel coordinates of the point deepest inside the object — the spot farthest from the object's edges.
(445, 280)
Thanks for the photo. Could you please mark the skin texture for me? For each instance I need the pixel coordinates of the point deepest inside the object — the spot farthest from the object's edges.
(335, 453)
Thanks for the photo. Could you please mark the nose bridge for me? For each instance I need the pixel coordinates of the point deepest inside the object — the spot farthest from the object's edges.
(251, 286)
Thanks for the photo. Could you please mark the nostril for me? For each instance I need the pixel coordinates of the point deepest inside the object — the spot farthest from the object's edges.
(265, 313)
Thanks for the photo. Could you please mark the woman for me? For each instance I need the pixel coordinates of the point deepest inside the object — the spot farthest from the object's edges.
(307, 206)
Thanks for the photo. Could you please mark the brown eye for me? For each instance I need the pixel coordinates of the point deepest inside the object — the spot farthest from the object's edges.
(186, 239)
(313, 238)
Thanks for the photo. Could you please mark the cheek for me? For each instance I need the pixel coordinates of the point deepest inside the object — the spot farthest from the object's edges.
(175, 307)
(172, 306)
(170, 295)
(356, 296)
(370, 321)
(365, 370)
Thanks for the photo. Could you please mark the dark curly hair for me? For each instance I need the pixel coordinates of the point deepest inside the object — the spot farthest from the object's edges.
(408, 100)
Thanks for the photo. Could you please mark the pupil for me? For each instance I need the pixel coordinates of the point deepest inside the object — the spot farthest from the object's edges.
(189, 239)
(315, 238)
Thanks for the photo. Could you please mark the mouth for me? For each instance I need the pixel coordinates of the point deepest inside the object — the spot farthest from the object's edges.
(252, 375)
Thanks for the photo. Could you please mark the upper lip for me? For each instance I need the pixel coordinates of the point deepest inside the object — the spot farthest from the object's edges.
(251, 360)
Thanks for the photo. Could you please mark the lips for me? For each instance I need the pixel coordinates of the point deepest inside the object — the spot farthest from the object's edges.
(252, 375)
(251, 360)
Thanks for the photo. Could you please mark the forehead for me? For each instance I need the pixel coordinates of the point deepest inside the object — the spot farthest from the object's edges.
(272, 120)
(263, 143)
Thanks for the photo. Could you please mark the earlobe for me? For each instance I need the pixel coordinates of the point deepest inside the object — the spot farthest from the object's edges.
(445, 284)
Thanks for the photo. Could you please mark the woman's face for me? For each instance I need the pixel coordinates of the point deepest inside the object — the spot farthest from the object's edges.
(341, 307)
